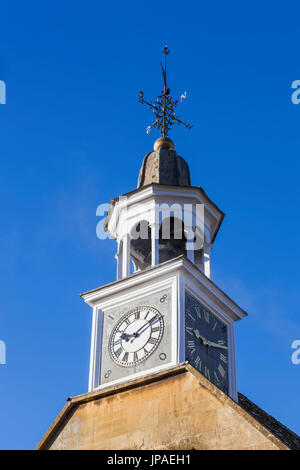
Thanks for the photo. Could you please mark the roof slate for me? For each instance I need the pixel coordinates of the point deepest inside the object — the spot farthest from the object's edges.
(288, 437)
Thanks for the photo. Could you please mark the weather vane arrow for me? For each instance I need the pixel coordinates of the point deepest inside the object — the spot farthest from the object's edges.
(164, 106)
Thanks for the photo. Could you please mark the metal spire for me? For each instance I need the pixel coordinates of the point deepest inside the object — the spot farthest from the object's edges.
(164, 107)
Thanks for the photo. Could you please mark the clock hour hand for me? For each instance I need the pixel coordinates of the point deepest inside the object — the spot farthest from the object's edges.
(198, 336)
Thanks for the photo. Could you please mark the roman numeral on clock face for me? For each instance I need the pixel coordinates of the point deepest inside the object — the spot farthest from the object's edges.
(155, 329)
(137, 315)
(191, 345)
(152, 340)
(198, 363)
(207, 373)
(118, 352)
(191, 316)
(198, 311)
(223, 358)
(190, 330)
(221, 370)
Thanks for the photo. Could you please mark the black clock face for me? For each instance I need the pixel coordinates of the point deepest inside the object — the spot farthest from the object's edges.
(206, 343)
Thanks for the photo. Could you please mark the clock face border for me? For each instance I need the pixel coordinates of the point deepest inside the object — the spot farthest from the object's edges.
(124, 339)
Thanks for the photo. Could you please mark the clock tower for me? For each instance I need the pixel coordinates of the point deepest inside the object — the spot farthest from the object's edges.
(164, 308)
(162, 361)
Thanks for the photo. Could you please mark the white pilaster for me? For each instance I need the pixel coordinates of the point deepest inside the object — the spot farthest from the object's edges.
(126, 255)
(190, 245)
(206, 259)
(154, 243)
(119, 258)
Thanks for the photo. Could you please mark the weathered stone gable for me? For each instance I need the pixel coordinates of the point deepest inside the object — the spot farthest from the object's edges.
(177, 409)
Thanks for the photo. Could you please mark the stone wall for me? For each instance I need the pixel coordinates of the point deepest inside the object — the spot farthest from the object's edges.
(182, 411)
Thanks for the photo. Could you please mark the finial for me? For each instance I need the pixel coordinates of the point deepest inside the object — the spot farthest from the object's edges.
(163, 143)
(164, 107)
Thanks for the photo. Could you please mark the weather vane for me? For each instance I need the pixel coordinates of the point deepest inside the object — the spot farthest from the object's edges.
(164, 107)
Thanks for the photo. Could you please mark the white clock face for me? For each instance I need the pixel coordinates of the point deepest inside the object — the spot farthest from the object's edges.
(136, 336)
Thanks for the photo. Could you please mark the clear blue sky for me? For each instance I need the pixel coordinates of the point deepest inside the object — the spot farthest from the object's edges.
(73, 136)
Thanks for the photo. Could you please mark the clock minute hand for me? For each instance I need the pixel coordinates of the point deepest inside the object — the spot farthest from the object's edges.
(136, 334)
(208, 343)
(216, 345)
(144, 327)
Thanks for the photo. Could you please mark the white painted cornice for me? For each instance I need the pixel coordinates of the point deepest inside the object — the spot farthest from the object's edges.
(175, 267)
(157, 193)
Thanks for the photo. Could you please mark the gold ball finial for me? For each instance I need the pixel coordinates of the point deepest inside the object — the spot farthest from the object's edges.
(164, 143)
